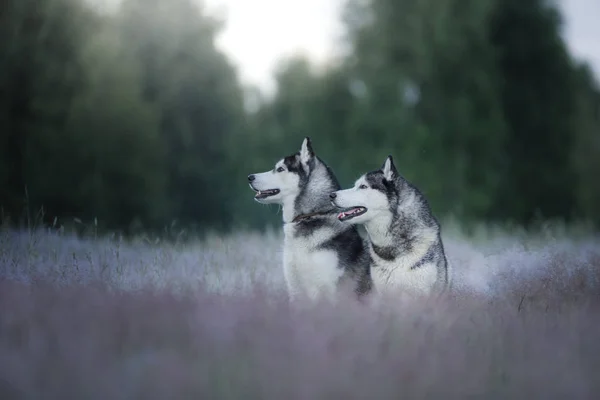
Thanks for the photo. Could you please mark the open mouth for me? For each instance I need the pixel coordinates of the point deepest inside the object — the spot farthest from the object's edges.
(351, 212)
(263, 194)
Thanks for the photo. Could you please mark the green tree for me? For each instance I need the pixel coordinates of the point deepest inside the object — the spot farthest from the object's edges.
(119, 166)
(538, 94)
(39, 77)
(196, 89)
(586, 150)
(429, 96)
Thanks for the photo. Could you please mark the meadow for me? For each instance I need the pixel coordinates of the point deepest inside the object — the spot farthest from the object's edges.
(106, 318)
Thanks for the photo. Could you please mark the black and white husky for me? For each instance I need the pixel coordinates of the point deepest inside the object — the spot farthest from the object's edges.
(404, 237)
(321, 253)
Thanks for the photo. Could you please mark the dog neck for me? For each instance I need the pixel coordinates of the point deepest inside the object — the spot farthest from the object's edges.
(378, 230)
(304, 217)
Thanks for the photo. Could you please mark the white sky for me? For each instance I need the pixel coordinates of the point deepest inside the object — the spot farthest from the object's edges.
(582, 31)
(260, 32)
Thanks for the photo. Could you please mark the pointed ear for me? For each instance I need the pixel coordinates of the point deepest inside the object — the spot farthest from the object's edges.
(306, 151)
(389, 169)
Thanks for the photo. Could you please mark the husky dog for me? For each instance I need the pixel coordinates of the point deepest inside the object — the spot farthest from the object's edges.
(404, 237)
(320, 253)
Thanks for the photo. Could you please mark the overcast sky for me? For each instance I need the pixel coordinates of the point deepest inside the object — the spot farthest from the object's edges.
(259, 32)
(583, 29)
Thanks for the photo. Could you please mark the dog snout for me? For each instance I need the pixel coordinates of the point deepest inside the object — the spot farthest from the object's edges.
(332, 195)
(251, 178)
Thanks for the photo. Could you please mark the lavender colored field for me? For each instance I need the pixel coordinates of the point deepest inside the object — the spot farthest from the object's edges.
(101, 319)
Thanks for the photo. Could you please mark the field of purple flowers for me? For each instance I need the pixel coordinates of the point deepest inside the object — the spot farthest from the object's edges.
(105, 319)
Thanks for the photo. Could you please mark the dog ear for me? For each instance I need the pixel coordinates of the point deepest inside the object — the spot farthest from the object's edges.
(389, 169)
(306, 151)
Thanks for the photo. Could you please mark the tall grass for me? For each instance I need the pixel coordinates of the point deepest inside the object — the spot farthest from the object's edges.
(105, 319)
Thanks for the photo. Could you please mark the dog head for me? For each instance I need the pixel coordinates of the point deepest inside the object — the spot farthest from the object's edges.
(373, 194)
(286, 178)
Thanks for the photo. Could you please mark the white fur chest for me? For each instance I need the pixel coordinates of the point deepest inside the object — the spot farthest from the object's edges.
(308, 269)
(397, 274)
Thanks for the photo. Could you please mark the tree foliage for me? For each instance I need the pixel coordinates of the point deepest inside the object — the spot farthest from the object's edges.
(136, 118)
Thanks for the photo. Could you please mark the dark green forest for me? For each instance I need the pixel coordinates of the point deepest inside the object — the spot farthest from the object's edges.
(135, 119)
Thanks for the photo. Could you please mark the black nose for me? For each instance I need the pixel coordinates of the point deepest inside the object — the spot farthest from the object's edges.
(332, 195)
(250, 178)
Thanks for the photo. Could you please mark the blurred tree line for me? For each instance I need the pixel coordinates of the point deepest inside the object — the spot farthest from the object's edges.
(136, 119)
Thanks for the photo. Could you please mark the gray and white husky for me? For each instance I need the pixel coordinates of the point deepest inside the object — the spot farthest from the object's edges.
(320, 253)
(404, 237)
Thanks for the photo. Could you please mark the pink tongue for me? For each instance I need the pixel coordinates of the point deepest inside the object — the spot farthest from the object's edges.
(341, 215)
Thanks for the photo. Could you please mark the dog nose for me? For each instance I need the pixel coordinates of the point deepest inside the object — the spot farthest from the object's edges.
(332, 195)
(251, 178)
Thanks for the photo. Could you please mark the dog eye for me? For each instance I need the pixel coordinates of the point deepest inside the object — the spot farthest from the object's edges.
(280, 169)
(363, 186)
